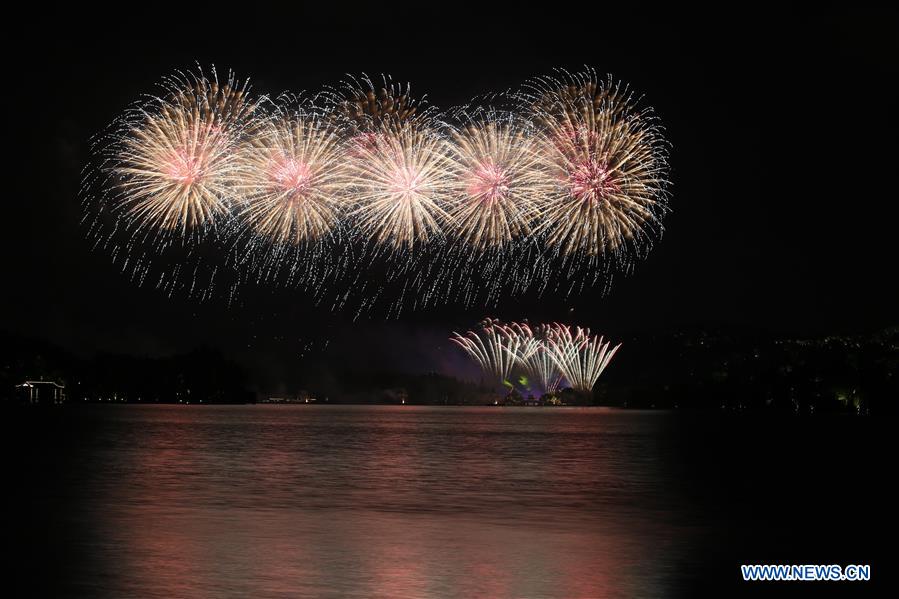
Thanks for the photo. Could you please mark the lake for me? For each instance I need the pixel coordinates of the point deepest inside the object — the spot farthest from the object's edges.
(409, 501)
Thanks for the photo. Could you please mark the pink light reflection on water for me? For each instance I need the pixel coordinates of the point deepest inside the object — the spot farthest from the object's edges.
(280, 501)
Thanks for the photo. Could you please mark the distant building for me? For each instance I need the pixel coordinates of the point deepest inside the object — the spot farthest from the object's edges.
(301, 397)
(41, 392)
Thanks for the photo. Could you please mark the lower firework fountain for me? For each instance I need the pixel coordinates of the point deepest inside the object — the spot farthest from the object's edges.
(547, 359)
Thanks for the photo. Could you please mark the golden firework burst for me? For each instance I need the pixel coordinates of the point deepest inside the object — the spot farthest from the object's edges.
(176, 159)
(402, 184)
(292, 179)
(580, 356)
(500, 181)
(363, 105)
(608, 163)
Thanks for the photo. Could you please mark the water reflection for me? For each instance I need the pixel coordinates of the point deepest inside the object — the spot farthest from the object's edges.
(278, 501)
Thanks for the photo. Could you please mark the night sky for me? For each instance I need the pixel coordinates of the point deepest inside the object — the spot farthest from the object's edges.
(782, 127)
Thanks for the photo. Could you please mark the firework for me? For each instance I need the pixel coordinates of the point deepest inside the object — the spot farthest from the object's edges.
(292, 179)
(608, 162)
(579, 356)
(174, 160)
(548, 354)
(203, 187)
(491, 347)
(364, 106)
(534, 357)
(499, 181)
(402, 185)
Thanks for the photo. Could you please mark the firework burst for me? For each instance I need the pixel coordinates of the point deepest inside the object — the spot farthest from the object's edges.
(174, 159)
(579, 356)
(608, 162)
(365, 196)
(492, 347)
(548, 354)
(402, 185)
(499, 181)
(363, 106)
(533, 355)
(292, 179)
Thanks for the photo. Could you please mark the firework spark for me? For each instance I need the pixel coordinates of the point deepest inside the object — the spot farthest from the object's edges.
(579, 356)
(292, 179)
(477, 205)
(500, 181)
(175, 159)
(364, 106)
(402, 185)
(548, 354)
(533, 355)
(608, 161)
(491, 347)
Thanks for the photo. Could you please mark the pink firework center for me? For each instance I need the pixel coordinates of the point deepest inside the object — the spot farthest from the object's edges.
(588, 176)
(295, 177)
(187, 167)
(365, 142)
(592, 181)
(405, 182)
(183, 191)
(488, 183)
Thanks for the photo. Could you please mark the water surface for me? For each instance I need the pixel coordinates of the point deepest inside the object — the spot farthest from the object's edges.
(381, 501)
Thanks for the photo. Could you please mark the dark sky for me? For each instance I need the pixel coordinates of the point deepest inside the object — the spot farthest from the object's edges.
(782, 126)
